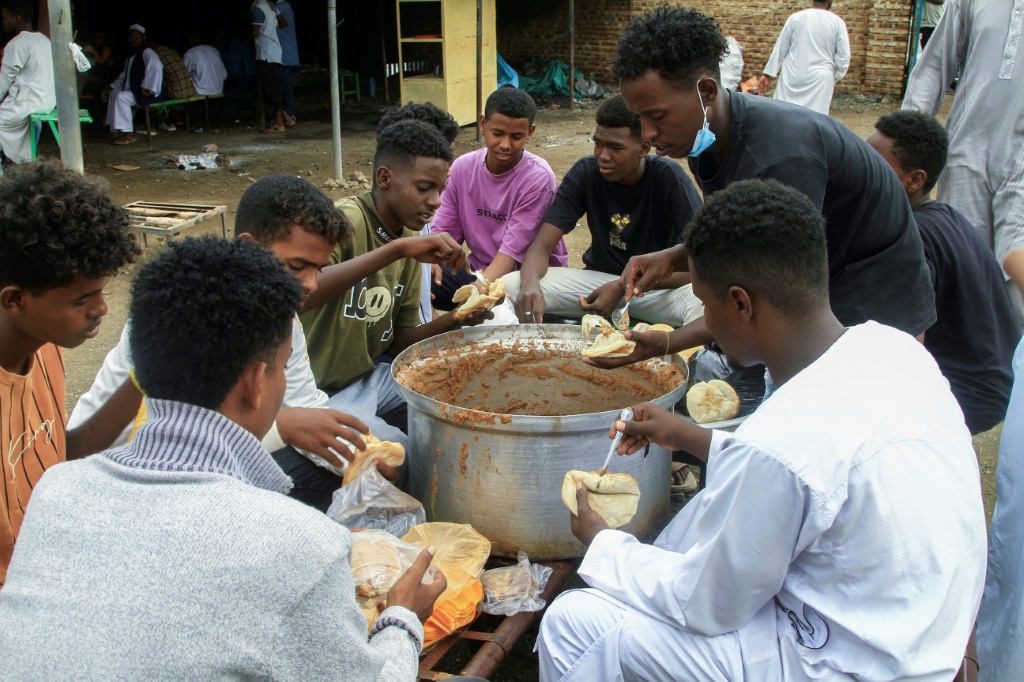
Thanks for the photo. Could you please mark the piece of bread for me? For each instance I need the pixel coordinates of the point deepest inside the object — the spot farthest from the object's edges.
(613, 496)
(594, 323)
(714, 401)
(642, 327)
(662, 327)
(376, 563)
(610, 343)
(473, 301)
(688, 353)
(392, 454)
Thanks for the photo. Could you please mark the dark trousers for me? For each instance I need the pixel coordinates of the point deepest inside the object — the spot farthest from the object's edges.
(286, 83)
(312, 484)
(268, 81)
(444, 291)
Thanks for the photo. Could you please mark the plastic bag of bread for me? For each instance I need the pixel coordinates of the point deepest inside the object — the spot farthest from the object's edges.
(613, 496)
(514, 589)
(457, 548)
(473, 300)
(371, 501)
(378, 560)
(390, 453)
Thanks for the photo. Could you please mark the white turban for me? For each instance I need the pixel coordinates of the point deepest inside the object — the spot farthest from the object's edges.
(137, 27)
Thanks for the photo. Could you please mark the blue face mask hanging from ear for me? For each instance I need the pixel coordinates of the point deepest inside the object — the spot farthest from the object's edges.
(705, 138)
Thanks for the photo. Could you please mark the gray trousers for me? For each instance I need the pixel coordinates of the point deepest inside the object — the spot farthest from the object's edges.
(562, 288)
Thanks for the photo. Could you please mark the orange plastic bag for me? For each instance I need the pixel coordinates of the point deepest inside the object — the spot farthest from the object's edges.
(460, 553)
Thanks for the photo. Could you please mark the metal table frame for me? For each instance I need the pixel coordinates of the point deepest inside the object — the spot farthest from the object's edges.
(206, 212)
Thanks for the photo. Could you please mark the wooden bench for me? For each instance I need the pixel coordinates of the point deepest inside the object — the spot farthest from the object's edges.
(167, 220)
(51, 118)
(184, 101)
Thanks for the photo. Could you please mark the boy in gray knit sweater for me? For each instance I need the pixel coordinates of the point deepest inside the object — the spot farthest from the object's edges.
(178, 556)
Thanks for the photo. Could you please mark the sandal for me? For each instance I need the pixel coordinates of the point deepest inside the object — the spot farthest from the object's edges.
(271, 129)
(682, 479)
(126, 139)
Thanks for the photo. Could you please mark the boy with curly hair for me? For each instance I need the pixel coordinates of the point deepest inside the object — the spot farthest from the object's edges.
(668, 71)
(841, 535)
(497, 197)
(61, 238)
(177, 556)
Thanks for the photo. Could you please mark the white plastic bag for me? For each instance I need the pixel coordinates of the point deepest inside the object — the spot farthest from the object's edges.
(514, 589)
(379, 559)
(371, 501)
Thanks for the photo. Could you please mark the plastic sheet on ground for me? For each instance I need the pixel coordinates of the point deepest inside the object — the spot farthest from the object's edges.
(514, 589)
(371, 501)
(549, 78)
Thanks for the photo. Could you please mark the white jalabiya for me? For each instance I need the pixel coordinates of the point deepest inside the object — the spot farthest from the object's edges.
(841, 534)
(1001, 619)
(26, 88)
(206, 68)
(811, 54)
(122, 99)
(984, 174)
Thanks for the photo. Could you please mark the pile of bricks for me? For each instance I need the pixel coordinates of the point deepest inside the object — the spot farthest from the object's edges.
(879, 33)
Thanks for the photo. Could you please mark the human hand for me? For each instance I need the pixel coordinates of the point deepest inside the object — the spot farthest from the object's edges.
(587, 523)
(762, 84)
(648, 345)
(410, 591)
(642, 273)
(477, 316)
(530, 305)
(650, 424)
(437, 249)
(317, 430)
(147, 93)
(604, 299)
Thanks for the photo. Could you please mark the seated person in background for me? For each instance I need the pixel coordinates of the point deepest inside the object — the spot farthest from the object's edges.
(141, 82)
(178, 556)
(205, 66)
(354, 328)
(635, 204)
(26, 80)
(497, 197)
(61, 238)
(300, 225)
(449, 129)
(976, 332)
(853, 488)
(178, 82)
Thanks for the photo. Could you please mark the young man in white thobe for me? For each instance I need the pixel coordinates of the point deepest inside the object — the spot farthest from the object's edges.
(984, 175)
(811, 54)
(141, 82)
(205, 66)
(841, 533)
(26, 80)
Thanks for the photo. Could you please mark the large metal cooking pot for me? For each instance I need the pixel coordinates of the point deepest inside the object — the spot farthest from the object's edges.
(502, 473)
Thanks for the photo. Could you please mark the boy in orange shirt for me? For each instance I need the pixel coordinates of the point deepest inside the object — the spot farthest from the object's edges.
(61, 237)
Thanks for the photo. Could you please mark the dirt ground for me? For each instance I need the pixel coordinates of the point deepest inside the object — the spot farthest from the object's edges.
(562, 137)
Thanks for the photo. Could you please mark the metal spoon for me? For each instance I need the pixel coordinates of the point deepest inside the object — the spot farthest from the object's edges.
(620, 317)
(625, 415)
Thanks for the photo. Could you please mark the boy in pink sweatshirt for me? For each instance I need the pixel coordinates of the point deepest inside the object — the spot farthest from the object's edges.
(496, 197)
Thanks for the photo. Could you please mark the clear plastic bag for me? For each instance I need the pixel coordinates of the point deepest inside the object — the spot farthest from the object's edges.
(514, 589)
(379, 559)
(457, 546)
(371, 501)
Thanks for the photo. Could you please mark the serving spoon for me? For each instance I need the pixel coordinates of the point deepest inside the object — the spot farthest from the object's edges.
(620, 316)
(625, 415)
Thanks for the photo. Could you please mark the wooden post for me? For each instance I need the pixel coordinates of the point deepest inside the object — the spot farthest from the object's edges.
(479, 64)
(332, 41)
(572, 54)
(66, 86)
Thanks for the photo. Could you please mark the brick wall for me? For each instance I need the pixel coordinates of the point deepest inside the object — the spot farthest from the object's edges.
(540, 28)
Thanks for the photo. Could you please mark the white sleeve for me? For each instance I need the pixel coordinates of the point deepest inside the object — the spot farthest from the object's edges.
(780, 51)
(154, 78)
(937, 66)
(732, 557)
(10, 67)
(842, 56)
(116, 370)
(301, 390)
